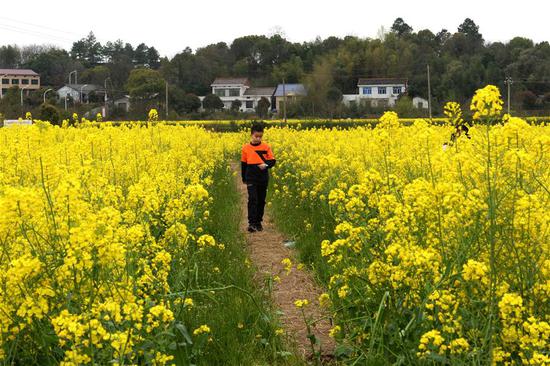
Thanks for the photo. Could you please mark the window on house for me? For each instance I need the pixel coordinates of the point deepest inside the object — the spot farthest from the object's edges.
(220, 92)
(25, 81)
(5, 81)
(381, 90)
(234, 92)
(15, 81)
(367, 90)
(397, 90)
(34, 81)
(249, 104)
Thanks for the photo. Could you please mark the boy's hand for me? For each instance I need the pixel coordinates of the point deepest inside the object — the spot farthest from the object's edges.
(263, 166)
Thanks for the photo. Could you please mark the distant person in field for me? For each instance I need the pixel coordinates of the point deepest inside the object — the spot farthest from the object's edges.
(256, 160)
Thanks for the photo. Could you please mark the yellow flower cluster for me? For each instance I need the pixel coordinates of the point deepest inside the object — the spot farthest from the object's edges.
(389, 120)
(301, 303)
(203, 329)
(475, 271)
(426, 238)
(287, 264)
(95, 222)
(529, 338)
(431, 341)
(453, 112)
(153, 115)
(486, 103)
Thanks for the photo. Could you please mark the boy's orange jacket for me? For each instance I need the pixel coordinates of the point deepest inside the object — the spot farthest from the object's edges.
(251, 157)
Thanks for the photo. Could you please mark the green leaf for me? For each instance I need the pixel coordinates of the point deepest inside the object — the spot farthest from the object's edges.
(183, 330)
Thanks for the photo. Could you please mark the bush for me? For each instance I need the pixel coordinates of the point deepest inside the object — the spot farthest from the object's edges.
(48, 112)
(262, 109)
(236, 105)
(212, 102)
(191, 103)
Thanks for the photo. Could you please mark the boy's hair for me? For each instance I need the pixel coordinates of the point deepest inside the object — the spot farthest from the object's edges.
(257, 127)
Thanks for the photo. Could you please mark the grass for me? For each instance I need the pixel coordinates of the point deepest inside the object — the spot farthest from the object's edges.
(239, 313)
(289, 218)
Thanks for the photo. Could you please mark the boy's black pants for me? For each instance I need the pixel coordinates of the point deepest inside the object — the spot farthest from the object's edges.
(256, 201)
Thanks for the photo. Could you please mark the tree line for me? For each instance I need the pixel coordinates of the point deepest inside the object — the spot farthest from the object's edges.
(460, 62)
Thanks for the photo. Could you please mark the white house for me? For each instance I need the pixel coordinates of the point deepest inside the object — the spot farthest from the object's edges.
(377, 91)
(75, 91)
(420, 103)
(123, 103)
(230, 89)
(252, 96)
(288, 92)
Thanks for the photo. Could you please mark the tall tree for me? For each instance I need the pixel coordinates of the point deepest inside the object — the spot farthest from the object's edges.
(400, 27)
(54, 66)
(145, 84)
(10, 57)
(88, 50)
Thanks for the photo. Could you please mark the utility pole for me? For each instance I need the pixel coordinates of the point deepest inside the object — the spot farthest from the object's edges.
(429, 94)
(284, 99)
(105, 84)
(508, 82)
(166, 104)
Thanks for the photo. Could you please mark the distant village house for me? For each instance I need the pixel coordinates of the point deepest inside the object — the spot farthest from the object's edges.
(382, 92)
(84, 91)
(290, 92)
(230, 90)
(21, 78)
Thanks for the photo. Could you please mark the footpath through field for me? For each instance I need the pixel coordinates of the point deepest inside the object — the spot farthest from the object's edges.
(266, 251)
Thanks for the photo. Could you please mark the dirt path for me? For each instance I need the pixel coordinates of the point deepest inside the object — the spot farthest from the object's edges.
(266, 252)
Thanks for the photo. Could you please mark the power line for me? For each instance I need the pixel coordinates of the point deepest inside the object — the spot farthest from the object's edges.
(38, 26)
(33, 33)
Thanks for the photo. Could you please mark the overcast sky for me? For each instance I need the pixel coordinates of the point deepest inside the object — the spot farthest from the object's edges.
(170, 26)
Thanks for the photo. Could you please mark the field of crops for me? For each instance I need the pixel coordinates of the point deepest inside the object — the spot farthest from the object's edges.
(118, 247)
(431, 252)
(121, 244)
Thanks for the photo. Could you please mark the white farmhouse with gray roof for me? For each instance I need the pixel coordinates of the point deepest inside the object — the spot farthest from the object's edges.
(232, 89)
(75, 91)
(378, 91)
(252, 96)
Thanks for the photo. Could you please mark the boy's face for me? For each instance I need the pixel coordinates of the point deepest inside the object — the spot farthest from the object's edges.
(256, 137)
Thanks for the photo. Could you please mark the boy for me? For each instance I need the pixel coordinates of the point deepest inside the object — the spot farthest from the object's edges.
(256, 159)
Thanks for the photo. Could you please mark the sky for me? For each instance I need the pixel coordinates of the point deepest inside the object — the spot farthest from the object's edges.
(171, 26)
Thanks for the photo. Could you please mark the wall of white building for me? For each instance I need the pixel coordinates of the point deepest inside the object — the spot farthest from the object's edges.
(382, 91)
(223, 91)
(64, 91)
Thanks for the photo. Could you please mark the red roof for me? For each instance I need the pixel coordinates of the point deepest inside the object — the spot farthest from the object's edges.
(21, 72)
